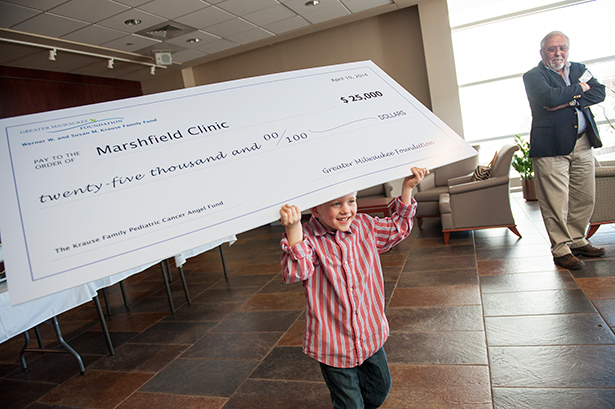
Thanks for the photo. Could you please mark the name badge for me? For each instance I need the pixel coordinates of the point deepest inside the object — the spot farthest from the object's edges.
(586, 76)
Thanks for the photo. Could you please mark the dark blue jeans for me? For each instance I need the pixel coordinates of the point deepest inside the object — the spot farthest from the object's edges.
(364, 386)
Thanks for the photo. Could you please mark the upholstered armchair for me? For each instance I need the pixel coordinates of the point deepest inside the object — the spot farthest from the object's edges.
(481, 204)
(433, 185)
(383, 190)
(604, 210)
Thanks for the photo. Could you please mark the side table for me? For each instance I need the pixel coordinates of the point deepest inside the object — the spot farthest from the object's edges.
(376, 205)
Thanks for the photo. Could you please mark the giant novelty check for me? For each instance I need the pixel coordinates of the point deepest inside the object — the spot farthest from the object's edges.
(91, 191)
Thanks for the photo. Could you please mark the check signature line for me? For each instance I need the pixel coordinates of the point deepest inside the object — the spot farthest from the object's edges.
(346, 124)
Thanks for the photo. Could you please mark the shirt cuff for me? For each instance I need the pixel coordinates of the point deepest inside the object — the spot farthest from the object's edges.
(405, 210)
(298, 251)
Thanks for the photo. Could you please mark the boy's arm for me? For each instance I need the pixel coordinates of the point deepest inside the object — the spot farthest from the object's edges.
(391, 230)
(297, 264)
(290, 218)
(411, 182)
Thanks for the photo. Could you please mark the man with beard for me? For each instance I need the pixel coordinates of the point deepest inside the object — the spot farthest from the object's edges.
(561, 140)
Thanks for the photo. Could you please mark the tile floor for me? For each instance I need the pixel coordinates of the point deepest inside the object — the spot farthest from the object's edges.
(485, 322)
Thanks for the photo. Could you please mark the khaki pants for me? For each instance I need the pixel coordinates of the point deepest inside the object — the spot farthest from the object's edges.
(566, 188)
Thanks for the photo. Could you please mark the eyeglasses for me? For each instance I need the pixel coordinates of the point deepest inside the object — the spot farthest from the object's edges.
(562, 48)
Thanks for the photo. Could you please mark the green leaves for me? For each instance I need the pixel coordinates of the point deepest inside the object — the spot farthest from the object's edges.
(522, 162)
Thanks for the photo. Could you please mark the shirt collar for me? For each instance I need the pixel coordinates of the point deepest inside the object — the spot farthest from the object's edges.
(566, 68)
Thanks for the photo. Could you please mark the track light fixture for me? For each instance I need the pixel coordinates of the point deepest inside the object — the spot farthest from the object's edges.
(53, 52)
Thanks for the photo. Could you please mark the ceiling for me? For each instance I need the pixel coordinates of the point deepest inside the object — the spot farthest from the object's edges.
(86, 34)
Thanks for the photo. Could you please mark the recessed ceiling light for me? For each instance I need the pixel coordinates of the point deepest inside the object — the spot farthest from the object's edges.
(193, 40)
(312, 3)
(132, 22)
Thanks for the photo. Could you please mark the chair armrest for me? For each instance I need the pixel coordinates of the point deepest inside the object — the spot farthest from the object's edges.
(480, 204)
(605, 171)
(459, 180)
(388, 188)
(607, 163)
(478, 185)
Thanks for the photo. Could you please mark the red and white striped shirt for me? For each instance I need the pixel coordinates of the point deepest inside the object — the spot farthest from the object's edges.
(344, 288)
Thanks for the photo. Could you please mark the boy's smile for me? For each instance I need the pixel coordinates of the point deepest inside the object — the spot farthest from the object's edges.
(337, 214)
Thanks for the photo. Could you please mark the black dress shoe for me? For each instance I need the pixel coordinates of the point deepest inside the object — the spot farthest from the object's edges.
(569, 262)
(589, 251)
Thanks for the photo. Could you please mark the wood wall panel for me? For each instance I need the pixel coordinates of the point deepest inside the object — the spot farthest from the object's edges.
(25, 91)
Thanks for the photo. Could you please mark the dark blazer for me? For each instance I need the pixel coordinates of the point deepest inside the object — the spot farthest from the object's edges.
(554, 133)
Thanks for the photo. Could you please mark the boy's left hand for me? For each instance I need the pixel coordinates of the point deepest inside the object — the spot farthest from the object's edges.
(417, 175)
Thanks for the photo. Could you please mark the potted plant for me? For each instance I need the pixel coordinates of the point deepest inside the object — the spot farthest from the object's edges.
(522, 163)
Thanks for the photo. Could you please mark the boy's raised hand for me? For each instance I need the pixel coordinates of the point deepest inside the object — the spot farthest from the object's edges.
(290, 215)
(415, 178)
(290, 218)
(411, 181)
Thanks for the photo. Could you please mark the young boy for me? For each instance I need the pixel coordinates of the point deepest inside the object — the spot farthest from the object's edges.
(336, 255)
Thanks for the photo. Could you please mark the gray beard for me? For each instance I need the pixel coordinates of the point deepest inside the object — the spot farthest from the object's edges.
(556, 66)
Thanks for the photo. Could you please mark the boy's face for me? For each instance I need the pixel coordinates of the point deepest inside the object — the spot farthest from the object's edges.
(337, 214)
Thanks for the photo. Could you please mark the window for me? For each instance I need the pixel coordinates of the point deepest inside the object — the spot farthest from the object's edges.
(496, 41)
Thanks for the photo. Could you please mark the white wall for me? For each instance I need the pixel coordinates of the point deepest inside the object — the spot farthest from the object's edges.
(440, 63)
